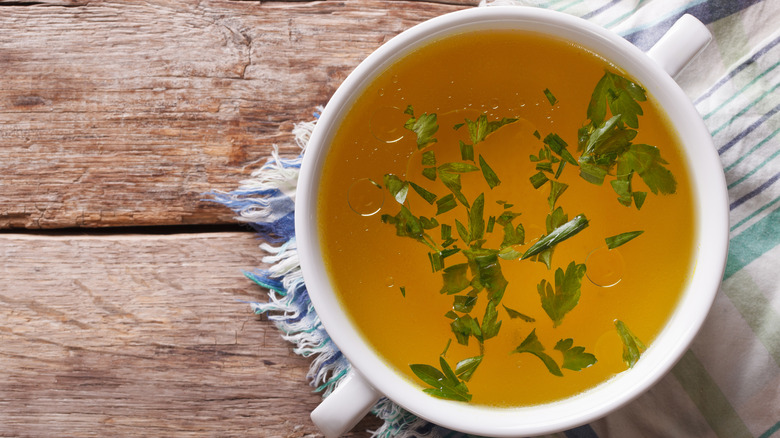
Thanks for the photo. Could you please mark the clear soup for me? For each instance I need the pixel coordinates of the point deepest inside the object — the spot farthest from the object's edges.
(390, 284)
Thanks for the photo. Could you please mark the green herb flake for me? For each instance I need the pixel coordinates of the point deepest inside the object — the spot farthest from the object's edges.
(557, 145)
(446, 348)
(558, 235)
(513, 235)
(444, 384)
(464, 303)
(481, 128)
(532, 345)
(632, 346)
(537, 135)
(620, 94)
(647, 162)
(445, 204)
(465, 368)
(505, 204)
(550, 96)
(490, 322)
(425, 127)
(514, 314)
(544, 166)
(437, 261)
(463, 233)
(560, 301)
(639, 199)
(574, 358)
(477, 219)
(538, 179)
(558, 172)
(620, 239)
(452, 181)
(455, 279)
(490, 176)
(507, 217)
(430, 173)
(592, 173)
(428, 158)
(425, 194)
(466, 151)
(556, 190)
(446, 232)
(463, 327)
(403, 291)
(397, 187)
(490, 224)
(489, 274)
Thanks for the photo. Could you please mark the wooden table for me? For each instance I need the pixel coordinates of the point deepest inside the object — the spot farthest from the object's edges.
(119, 285)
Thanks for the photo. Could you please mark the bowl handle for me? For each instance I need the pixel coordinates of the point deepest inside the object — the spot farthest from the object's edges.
(345, 406)
(680, 44)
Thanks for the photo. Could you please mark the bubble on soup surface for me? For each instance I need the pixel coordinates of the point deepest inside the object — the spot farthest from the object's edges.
(605, 266)
(387, 124)
(365, 197)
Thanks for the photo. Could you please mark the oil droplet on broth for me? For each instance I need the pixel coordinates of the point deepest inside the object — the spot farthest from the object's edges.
(605, 266)
(389, 282)
(387, 123)
(365, 197)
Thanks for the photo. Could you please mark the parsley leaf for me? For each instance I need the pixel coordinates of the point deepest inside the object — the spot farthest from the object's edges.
(428, 158)
(430, 173)
(574, 358)
(558, 235)
(477, 218)
(513, 235)
(465, 368)
(490, 176)
(647, 162)
(455, 279)
(444, 384)
(490, 322)
(466, 151)
(632, 346)
(557, 145)
(550, 96)
(397, 187)
(532, 345)
(464, 327)
(622, 96)
(557, 303)
(515, 314)
(538, 179)
(445, 204)
(425, 194)
(481, 128)
(556, 190)
(424, 126)
(452, 181)
(464, 303)
(488, 272)
(620, 239)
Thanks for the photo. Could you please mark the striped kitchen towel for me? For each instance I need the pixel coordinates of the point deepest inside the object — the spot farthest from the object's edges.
(728, 384)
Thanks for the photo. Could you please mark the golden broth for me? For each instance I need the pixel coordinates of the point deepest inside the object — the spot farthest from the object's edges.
(501, 74)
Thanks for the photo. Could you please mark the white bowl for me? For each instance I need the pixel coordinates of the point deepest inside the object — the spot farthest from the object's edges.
(654, 71)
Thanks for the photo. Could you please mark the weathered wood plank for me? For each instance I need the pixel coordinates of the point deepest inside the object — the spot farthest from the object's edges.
(124, 113)
(143, 336)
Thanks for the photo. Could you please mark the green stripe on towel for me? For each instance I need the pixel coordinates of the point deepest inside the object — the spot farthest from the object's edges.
(708, 397)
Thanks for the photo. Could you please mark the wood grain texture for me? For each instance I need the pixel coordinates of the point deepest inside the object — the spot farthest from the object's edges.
(124, 113)
(143, 336)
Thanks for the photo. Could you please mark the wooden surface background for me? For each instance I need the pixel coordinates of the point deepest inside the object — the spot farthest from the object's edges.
(119, 286)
